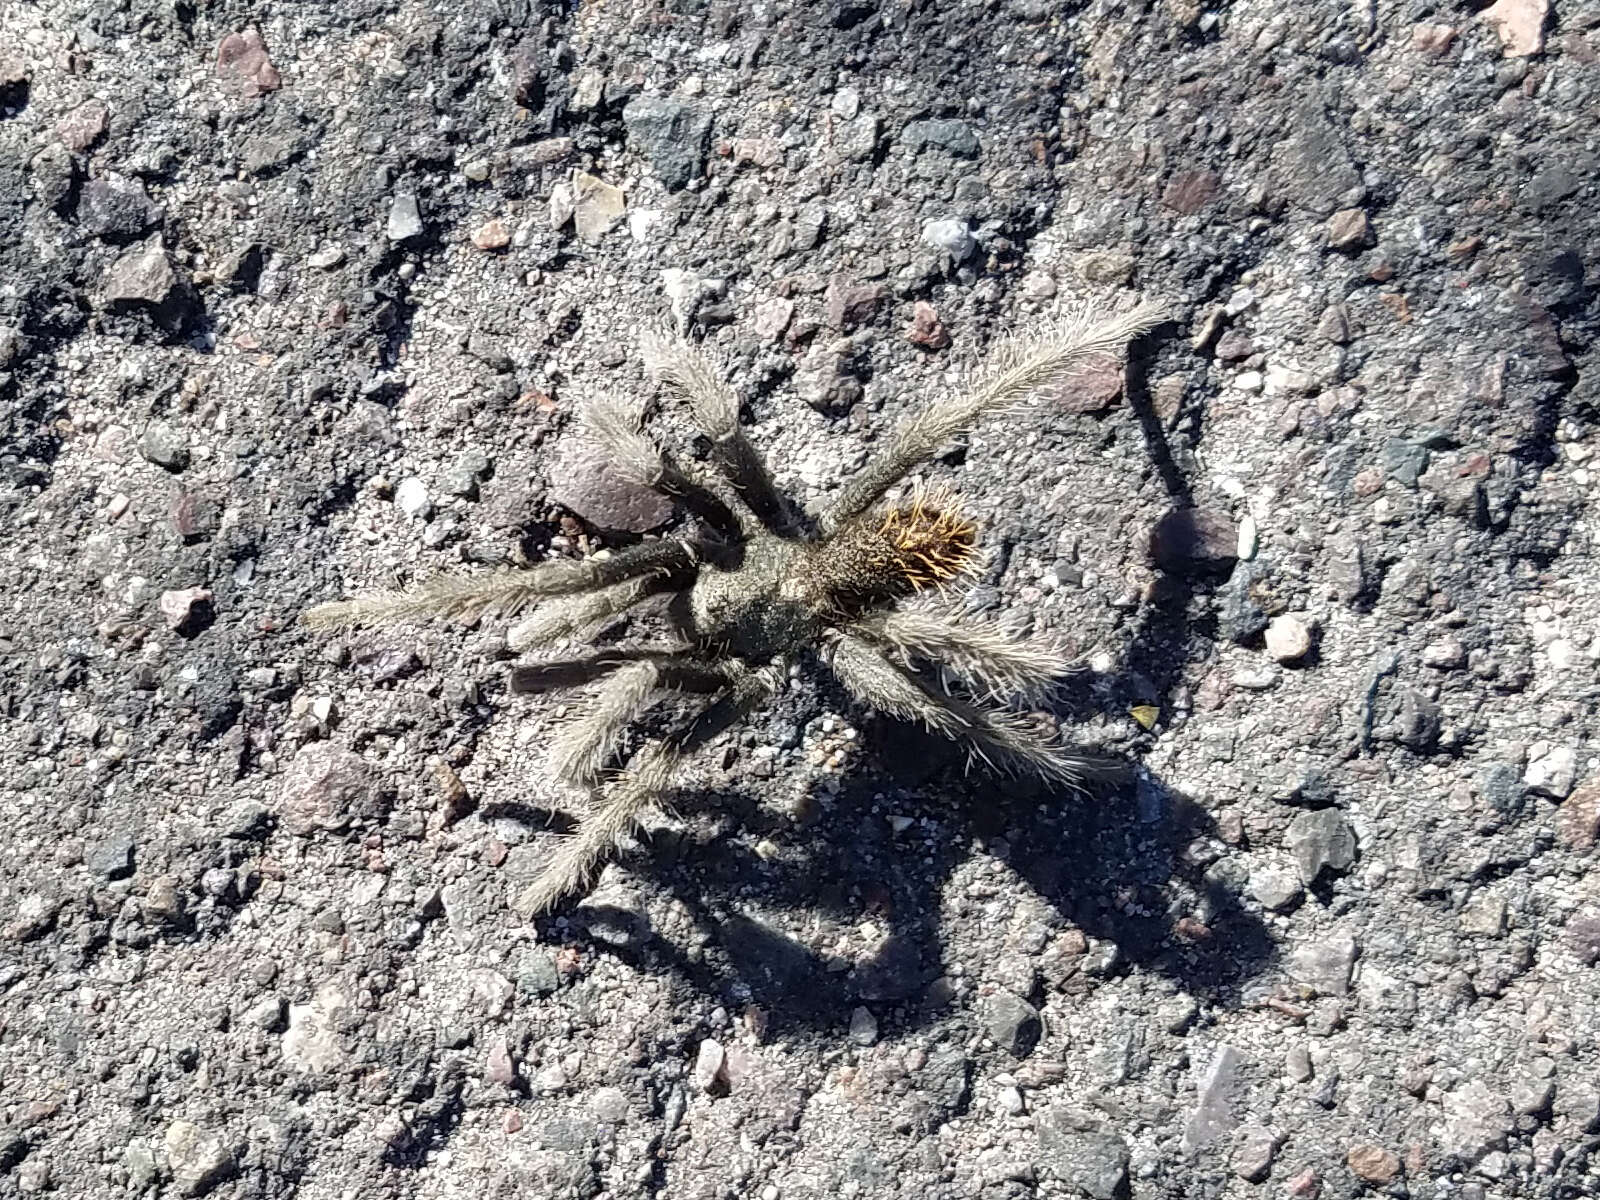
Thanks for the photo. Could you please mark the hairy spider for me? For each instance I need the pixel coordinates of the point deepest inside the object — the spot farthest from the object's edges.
(763, 583)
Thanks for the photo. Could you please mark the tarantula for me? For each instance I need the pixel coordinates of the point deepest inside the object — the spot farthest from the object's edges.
(761, 584)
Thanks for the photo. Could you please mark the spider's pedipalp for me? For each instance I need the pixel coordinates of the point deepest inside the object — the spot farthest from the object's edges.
(685, 371)
(1005, 740)
(1018, 369)
(507, 592)
(617, 807)
(977, 650)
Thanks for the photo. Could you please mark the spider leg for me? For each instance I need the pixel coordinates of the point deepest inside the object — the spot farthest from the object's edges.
(1017, 370)
(620, 802)
(687, 373)
(614, 426)
(979, 651)
(580, 669)
(582, 750)
(1005, 740)
(665, 560)
(567, 614)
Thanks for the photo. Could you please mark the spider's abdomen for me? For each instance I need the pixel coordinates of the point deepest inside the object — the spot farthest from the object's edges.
(922, 542)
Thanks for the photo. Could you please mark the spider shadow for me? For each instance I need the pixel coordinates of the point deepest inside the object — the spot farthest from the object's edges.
(1116, 867)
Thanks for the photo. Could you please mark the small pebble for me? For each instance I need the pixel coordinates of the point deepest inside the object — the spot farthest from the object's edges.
(863, 1027)
(412, 498)
(1288, 639)
(491, 235)
(185, 608)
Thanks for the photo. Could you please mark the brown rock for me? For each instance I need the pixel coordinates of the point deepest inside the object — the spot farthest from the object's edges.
(586, 480)
(773, 317)
(1335, 324)
(454, 801)
(243, 67)
(1578, 822)
(1168, 395)
(1288, 639)
(527, 73)
(497, 1065)
(846, 305)
(1367, 481)
(1190, 540)
(193, 516)
(1583, 934)
(491, 235)
(326, 787)
(1234, 346)
(1520, 24)
(82, 127)
(1092, 390)
(543, 153)
(1305, 1186)
(1188, 192)
(1432, 40)
(926, 329)
(185, 609)
(1349, 229)
(1373, 1164)
(759, 152)
(142, 275)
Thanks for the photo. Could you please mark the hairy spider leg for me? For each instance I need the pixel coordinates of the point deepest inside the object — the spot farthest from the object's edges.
(1018, 369)
(688, 374)
(623, 798)
(978, 651)
(1005, 740)
(509, 592)
(614, 427)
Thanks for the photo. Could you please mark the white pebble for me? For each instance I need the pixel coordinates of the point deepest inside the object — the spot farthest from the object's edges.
(412, 497)
(1288, 638)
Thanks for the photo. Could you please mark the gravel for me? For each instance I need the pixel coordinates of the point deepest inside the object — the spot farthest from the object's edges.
(300, 308)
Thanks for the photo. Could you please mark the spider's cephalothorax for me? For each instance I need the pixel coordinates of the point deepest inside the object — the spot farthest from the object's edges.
(761, 587)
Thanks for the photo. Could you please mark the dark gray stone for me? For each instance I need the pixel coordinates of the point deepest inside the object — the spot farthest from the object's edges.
(111, 858)
(537, 974)
(1314, 166)
(1321, 841)
(165, 446)
(116, 209)
(1502, 787)
(461, 477)
(1404, 460)
(1012, 1022)
(953, 137)
(672, 134)
(1244, 601)
(1083, 1154)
